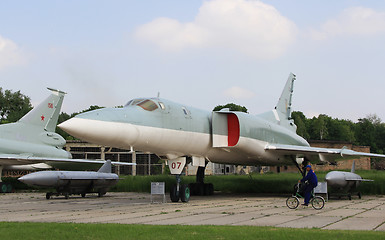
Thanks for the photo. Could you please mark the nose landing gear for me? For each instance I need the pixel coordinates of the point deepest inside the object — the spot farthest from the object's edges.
(179, 191)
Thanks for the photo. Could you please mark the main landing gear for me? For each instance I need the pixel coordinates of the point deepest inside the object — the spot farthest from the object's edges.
(199, 188)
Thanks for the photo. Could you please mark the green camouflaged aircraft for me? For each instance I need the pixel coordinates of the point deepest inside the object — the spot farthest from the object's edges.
(181, 134)
(32, 144)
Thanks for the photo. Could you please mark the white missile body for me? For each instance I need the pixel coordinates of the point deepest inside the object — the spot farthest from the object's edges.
(74, 182)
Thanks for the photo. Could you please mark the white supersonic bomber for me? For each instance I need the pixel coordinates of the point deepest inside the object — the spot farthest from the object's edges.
(181, 134)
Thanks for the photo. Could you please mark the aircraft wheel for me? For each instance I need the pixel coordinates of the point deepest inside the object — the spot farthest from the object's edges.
(192, 187)
(200, 188)
(9, 188)
(208, 189)
(174, 195)
(184, 193)
(350, 196)
(101, 193)
(48, 195)
(318, 202)
(3, 188)
(211, 189)
(83, 195)
(66, 195)
(359, 195)
(292, 202)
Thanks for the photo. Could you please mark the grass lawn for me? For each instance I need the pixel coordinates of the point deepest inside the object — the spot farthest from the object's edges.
(25, 231)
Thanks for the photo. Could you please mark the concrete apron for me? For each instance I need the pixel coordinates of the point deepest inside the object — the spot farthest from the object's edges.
(367, 213)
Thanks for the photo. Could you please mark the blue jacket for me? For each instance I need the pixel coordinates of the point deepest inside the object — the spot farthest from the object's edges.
(311, 178)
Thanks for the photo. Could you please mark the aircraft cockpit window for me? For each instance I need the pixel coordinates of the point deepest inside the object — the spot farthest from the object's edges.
(186, 112)
(162, 106)
(148, 105)
(128, 104)
(134, 102)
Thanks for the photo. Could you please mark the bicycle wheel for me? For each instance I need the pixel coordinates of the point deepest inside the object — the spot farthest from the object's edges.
(292, 202)
(318, 202)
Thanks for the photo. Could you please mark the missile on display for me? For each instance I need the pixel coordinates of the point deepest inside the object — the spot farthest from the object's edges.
(345, 181)
(73, 182)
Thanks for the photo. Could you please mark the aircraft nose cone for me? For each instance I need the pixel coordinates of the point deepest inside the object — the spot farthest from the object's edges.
(331, 177)
(336, 179)
(39, 179)
(108, 133)
(72, 126)
(328, 177)
(23, 179)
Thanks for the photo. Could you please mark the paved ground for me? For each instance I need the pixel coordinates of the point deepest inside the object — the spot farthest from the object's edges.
(135, 208)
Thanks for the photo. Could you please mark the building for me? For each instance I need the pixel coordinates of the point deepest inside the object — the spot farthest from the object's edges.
(146, 163)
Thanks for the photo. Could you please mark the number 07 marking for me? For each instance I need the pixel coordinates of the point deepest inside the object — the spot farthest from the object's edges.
(176, 165)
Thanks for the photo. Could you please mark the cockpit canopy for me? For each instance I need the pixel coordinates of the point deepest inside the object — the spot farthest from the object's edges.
(146, 103)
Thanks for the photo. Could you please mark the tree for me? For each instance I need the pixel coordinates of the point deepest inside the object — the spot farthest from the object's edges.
(370, 131)
(91, 108)
(319, 127)
(365, 133)
(64, 117)
(374, 119)
(324, 127)
(232, 107)
(300, 121)
(13, 105)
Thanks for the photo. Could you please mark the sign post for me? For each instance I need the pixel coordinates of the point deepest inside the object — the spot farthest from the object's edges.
(158, 188)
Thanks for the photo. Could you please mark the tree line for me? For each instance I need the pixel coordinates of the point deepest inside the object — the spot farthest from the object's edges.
(368, 131)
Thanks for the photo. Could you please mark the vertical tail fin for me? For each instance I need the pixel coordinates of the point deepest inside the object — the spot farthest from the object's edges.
(283, 106)
(353, 167)
(106, 168)
(46, 114)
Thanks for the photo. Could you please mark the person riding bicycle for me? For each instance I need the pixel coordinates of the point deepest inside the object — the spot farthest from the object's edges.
(312, 182)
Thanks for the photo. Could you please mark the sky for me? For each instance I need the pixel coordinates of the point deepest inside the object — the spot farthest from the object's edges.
(199, 53)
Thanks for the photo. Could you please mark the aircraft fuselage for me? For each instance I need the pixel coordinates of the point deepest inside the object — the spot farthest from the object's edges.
(16, 138)
(172, 130)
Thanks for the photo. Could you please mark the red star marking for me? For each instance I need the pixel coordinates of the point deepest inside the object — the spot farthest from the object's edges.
(50, 105)
(42, 117)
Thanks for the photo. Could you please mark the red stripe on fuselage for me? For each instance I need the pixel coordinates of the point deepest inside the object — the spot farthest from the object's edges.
(232, 129)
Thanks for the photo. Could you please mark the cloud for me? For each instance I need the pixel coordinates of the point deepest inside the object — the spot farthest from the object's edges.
(238, 93)
(251, 27)
(10, 53)
(353, 21)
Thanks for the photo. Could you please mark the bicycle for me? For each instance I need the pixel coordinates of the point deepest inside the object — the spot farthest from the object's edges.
(292, 202)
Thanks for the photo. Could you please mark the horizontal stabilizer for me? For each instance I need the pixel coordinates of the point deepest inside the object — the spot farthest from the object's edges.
(359, 179)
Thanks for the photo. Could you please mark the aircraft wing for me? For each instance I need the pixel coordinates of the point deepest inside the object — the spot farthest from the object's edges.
(324, 154)
(15, 159)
